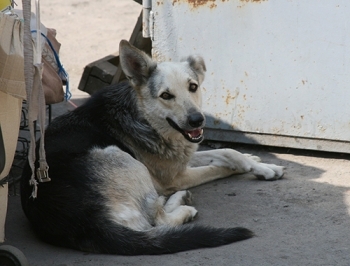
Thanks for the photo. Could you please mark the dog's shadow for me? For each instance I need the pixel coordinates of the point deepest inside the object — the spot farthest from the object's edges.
(312, 195)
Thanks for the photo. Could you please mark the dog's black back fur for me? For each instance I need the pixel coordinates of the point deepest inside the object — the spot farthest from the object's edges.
(69, 210)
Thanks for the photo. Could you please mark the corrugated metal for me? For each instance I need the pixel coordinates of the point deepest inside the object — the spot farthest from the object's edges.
(277, 70)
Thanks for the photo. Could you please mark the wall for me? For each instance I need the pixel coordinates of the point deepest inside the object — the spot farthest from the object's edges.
(277, 70)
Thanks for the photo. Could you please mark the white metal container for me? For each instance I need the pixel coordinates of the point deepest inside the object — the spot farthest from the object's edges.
(278, 71)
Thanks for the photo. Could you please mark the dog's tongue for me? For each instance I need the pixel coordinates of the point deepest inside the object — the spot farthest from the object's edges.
(195, 133)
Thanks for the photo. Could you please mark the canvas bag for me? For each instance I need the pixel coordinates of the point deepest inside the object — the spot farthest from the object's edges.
(12, 62)
(11, 56)
(51, 80)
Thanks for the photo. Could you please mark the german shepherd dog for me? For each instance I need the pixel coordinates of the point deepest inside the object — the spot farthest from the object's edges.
(121, 164)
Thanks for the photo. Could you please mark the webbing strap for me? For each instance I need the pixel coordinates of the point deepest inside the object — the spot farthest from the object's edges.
(35, 97)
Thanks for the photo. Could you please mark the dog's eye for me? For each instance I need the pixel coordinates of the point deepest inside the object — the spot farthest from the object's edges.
(193, 87)
(166, 96)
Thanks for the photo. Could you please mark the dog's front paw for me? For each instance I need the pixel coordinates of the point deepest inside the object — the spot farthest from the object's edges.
(268, 172)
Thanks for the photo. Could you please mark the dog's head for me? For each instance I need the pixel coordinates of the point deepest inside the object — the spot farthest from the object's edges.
(169, 93)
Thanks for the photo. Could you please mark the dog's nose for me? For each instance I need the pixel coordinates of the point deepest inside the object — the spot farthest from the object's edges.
(195, 119)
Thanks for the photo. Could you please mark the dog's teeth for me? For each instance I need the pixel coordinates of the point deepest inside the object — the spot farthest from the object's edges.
(196, 137)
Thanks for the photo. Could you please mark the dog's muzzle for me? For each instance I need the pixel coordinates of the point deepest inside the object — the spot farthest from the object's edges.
(195, 121)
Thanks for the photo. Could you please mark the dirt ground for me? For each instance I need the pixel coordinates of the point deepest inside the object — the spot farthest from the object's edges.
(303, 219)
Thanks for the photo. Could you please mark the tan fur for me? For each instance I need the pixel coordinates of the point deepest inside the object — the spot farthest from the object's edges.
(115, 160)
(177, 165)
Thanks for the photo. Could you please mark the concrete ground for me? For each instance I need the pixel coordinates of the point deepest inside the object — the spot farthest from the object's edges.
(303, 219)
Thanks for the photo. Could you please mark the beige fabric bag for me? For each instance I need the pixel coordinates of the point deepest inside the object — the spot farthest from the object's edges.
(52, 82)
(11, 56)
(12, 62)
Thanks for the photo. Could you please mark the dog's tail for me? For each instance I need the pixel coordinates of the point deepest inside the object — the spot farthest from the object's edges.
(162, 239)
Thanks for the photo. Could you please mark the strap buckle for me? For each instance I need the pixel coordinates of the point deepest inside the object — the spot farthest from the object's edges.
(43, 175)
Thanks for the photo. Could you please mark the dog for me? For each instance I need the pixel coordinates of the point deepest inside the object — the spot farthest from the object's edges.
(121, 164)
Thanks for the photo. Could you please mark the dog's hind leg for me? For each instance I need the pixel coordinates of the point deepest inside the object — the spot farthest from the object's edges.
(175, 212)
(183, 197)
(131, 198)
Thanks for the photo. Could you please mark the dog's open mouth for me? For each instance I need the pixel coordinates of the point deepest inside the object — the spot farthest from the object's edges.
(194, 136)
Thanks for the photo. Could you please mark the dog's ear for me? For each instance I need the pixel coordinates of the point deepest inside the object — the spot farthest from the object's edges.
(136, 64)
(197, 64)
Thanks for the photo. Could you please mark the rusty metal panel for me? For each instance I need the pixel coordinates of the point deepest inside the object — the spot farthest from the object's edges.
(277, 70)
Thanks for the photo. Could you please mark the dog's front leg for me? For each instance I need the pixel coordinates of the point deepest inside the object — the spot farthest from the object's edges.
(194, 176)
(237, 162)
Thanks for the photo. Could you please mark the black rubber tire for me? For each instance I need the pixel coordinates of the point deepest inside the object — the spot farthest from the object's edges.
(11, 256)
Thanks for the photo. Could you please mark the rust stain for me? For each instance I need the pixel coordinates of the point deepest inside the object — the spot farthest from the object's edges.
(240, 112)
(253, 1)
(198, 3)
(212, 6)
(244, 2)
(229, 97)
